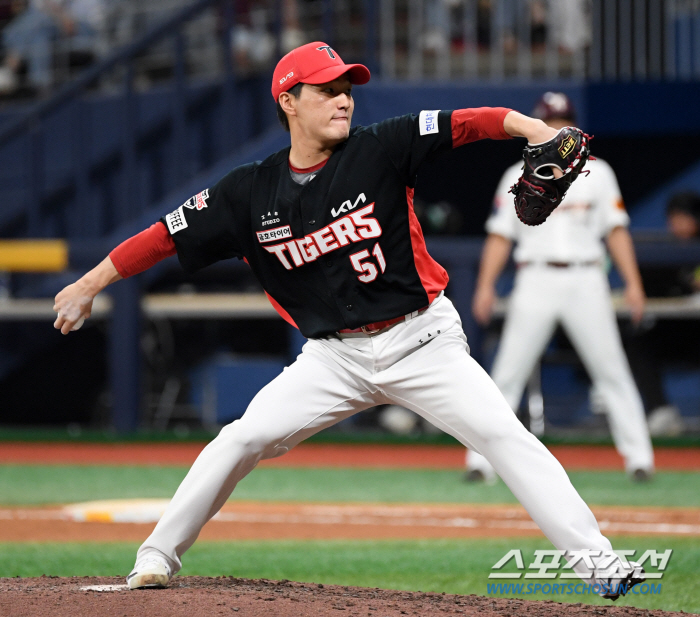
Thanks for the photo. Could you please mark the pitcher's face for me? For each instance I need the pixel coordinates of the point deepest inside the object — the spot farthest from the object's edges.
(324, 111)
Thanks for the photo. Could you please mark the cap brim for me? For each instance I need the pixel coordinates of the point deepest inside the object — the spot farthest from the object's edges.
(357, 73)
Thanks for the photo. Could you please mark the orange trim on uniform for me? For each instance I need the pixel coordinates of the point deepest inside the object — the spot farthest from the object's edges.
(432, 275)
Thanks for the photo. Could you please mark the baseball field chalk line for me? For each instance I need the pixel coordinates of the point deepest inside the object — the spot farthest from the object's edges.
(676, 521)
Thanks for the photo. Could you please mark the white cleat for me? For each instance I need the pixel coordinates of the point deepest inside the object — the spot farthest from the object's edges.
(151, 572)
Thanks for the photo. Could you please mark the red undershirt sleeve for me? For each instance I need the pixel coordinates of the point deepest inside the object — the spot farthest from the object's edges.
(143, 250)
(478, 123)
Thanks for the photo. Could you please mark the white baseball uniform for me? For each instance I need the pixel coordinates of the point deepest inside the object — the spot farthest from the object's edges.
(334, 378)
(572, 291)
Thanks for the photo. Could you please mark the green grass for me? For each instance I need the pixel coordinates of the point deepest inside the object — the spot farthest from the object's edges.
(453, 566)
(46, 484)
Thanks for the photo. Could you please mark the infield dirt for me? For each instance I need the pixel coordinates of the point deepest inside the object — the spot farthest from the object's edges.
(279, 520)
(322, 455)
(199, 596)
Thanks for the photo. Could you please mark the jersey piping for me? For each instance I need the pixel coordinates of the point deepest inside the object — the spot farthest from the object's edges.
(432, 275)
(283, 314)
(277, 306)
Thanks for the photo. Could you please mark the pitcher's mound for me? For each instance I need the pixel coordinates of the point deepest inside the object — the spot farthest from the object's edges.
(194, 596)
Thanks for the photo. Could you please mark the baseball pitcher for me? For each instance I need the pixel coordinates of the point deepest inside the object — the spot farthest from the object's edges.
(327, 226)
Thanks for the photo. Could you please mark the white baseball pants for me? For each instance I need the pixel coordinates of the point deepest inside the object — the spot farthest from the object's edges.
(577, 297)
(423, 364)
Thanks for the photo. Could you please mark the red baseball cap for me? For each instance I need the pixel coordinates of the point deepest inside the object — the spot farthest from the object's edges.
(314, 63)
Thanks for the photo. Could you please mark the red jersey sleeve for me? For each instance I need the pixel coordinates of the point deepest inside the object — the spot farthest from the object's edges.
(478, 123)
(143, 250)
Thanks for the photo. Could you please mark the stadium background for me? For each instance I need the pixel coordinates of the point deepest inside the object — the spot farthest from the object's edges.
(172, 94)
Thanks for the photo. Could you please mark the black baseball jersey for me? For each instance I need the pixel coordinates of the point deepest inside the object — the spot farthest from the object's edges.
(341, 251)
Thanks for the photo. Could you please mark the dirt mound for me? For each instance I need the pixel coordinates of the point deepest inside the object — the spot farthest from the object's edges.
(194, 596)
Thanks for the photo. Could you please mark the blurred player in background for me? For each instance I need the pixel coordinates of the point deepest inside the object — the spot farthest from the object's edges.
(683, 218)
(647, 346)
(561, 280)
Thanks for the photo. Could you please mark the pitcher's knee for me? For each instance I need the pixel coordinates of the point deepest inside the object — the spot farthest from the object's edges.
(254, 441)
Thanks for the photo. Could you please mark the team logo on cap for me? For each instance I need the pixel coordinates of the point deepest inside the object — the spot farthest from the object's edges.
(329, 50)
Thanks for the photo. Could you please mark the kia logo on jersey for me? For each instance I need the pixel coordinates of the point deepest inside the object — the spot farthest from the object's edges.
(346, 206)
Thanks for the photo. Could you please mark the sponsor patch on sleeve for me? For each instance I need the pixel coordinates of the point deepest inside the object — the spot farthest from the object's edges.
(428, 121)
(269, 235)
(198, 202)
(176, 221)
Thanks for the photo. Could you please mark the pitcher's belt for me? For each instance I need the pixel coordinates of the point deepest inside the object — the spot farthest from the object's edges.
(375, 328)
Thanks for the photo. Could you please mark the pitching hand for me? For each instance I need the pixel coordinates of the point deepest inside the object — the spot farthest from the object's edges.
(73, 305)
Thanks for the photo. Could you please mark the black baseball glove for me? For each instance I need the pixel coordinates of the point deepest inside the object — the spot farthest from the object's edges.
(538, 192)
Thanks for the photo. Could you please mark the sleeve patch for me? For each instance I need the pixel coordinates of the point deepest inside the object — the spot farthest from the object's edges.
(197, 202)
(428, 122)
(176, 221)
